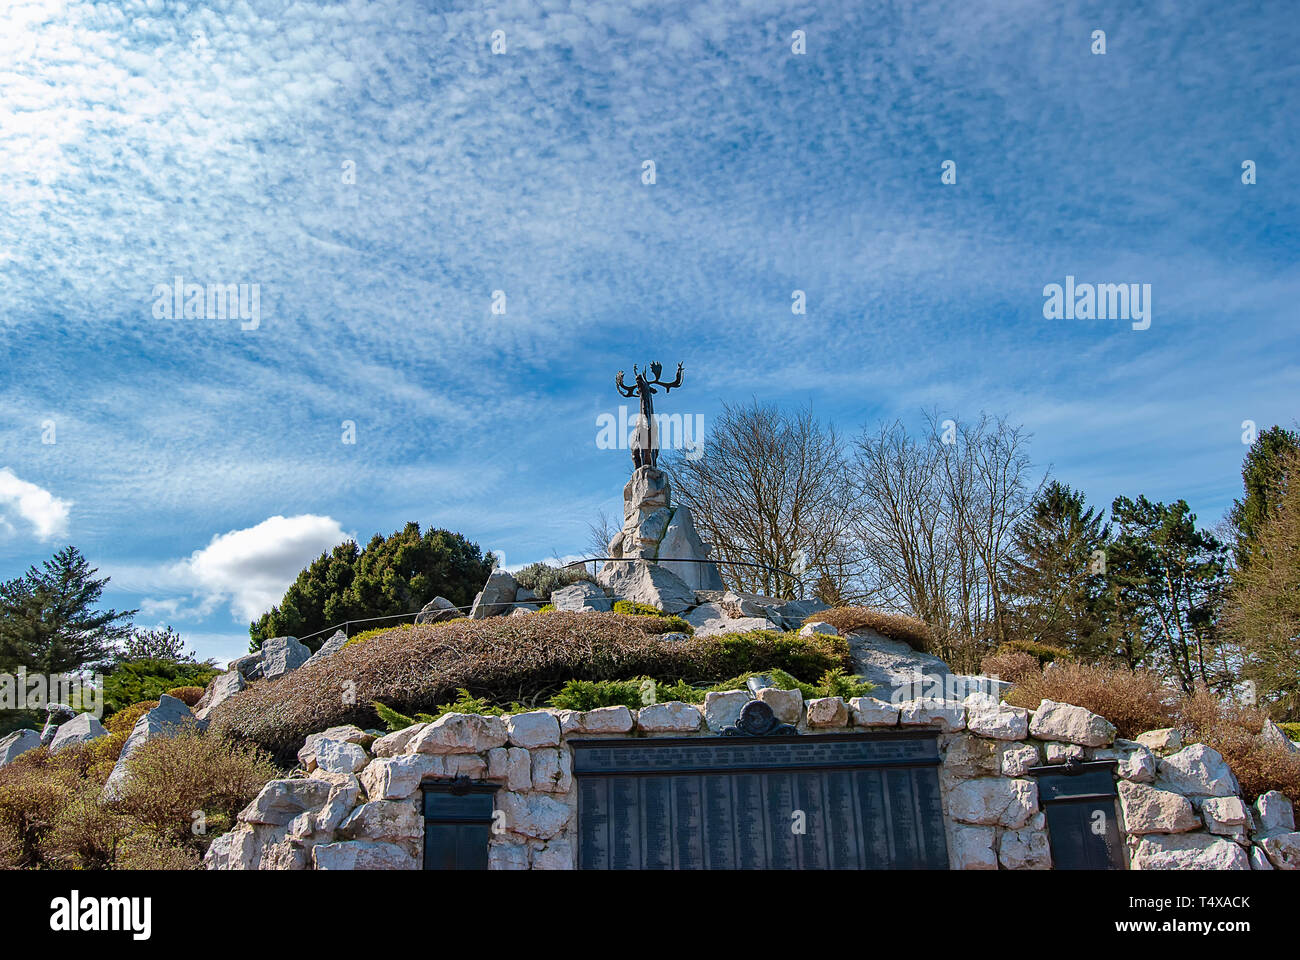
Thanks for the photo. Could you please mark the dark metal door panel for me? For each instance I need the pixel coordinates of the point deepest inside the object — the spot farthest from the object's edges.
(811, 803)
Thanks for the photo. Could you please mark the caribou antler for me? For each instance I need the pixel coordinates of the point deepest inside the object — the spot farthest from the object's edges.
(656, 369)
(624, 390)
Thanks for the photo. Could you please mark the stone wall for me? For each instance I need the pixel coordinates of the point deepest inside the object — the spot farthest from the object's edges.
(358, 804)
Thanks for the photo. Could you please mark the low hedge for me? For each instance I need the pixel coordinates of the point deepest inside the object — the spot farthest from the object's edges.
(500, 660)
(895, 626)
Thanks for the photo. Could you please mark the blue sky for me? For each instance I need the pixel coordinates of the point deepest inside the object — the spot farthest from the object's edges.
(201, 464)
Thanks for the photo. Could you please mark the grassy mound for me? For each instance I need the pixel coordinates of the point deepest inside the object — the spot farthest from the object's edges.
(895, 626)
(501, 660)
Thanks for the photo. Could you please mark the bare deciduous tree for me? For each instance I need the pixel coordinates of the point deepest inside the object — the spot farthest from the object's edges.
(769, 489)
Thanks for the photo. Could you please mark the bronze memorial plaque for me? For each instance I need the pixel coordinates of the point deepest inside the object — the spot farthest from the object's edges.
(786, 802)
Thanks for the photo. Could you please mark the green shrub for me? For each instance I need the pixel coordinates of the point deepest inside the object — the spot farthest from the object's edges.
(136, 680)
(123, 722)
(631, 608)
(544, 579)
(1292, 730)
(365, 635)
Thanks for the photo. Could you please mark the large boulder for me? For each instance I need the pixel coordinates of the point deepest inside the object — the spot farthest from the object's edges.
(363, 855)
(1197, 771)
(280, 655)
(221, 689)
(681, 540)
(56, 715)
(18, 743)
(165, 720)
(460, 733)
(648, 583)
(994, 801)
(496, 598)
(1148, 810)
(82, 728)
(1188, 851)
(337, 641)
(1275, 736)
(895, 668)
(1283, 850)
(1274, 813)
(1133, 761)
(437, 609)
(580, 597)
(1070, 724)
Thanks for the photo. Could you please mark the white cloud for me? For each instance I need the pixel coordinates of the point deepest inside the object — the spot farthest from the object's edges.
(247, 569)
(252, 568)
(46, 513)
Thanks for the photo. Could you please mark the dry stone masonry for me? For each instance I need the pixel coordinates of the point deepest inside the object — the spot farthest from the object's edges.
(359, 804)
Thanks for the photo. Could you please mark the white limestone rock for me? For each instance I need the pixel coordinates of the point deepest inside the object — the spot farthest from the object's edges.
(1070, 724)
(281, 800)
(1162, 741)
(535, 815)
(816, 627)
(281, 655)
(165, 720)
(219, 691)
(537, 728)
(1226, 816)
(496, 598)
(336, 642)
(396, 778)
(969, 756)
(1017, 758)
(787, 705)
(601, 720)
(81, 729)
(971, 847)
(337, 756)
(1133, 760)
(552, 770)
(993, 801)
(1025, 849)
(827, 712)
(558, 854)
(1061, 752)
(870, 712)
(1148, 810)
(1188, 851)
(722, 708)
(1283, 850)
(1275, 736)
(671, 717)
(680, 539)
(1197, 771)
(363, 855)
(998, 721)
(950, 715)
(582, 597)
(17, 743)
(1274, 813)
(508, 856)
(459, 733)
(1259, 859)
(390, 745)
(648, 583)
(437, 610)
(395, 821)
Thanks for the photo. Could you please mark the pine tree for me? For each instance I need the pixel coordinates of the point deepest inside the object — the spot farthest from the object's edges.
(48, 623)
(394, 575)
(1263, 473)
(1055, 581)
(1263, 608)
(1169, 580)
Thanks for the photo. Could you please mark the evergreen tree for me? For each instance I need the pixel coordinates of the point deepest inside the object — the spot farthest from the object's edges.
(48, 623)
(1263, 473)
(154, 644)
(393, 575)
(1055, 580)
(1263, 608)
(1169, 581)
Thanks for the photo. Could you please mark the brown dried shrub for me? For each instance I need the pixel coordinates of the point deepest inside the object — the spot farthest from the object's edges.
(143, 852)
(1133, 700)
(186, 695)
(1015, 666)
(1233, 730)
(174, 779)
(502, 660)
(895, 626)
